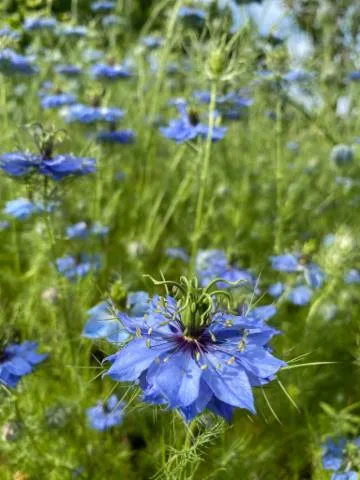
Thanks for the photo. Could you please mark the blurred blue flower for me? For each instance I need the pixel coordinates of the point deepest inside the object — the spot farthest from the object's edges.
(18, 164)
(12, 63)
(68, 70)
(349, 475)
(7, 32)
(179, 253)
(40, 23)
(106, 415)
(17, 360)
(4, 225)
(103, 323)
(77, 230)
(73, 268)
(99, 230)
(291, 263)
(110, 72)
(56, 100)
(111, 21)
(300, 295)
(116, 136)
(213, 367)
(22, 208)
(188, 126)
(152, 42)
(103, 6)
(342, 155)
(352, 276)
(76, 31)
(276, 289)
(193, 17)
(62, 166)
(87, 114)
(354, 76)
(333, 454)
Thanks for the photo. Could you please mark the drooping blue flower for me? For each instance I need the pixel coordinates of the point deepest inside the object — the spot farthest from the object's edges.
(110, 72)
(292, 263)
(22, 208)
(106, 415)
(103, 6)
(63, 166)
(73, 268)
(188, 126)
(57, 100)
(352, 276)
(87, 114)
(40, 23)
(12, 63)
(300, 295)
(68, 70)
(213, 366)
(193, 17)
(116, 136)
(17, 360)
(77, 230)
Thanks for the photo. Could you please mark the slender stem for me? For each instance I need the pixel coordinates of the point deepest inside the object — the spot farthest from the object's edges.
(189, 435)
(279, 178)
(204, 177)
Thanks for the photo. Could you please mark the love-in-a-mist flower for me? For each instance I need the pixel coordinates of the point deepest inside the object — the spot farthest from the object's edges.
(116, 136)
(79, 113)
(337, 457)
(292, 263)
(188, 353)
(12, 63)
(74, 268)
(189, 126)
(109, 71)
(193, 17)
(103, 6)
(68, 70)
(17, 360)
(106, 415)
(39, 23)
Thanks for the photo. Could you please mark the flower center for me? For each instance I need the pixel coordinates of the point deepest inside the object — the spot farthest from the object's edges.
(194, 118)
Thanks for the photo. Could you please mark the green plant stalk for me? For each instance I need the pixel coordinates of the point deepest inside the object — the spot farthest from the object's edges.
(203, 178)
(279, 179)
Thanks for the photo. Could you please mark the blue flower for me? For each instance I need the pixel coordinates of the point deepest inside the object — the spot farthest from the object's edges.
(22, 208)
(342, 155)
(152, 42)
(8, 32)
(103, 6)
(99, 230)
(111, 21)
(41, 23)
(230, 105)
(354, 76)
(333, 454)
(291, 263)
(73, 268)
(57, 100)
(87, 114)
(18, 164)
(352, 276)
(17, 360)
(193, 17)
(62, 166)
(106, 415)
(76, 31)
(12, 63)
(68, 70)
(104, 318)
(188, 127)
(349, 475)
(177, 253)
(110, 72)
(212, 366)
(116, 136)
(300, 295)
(78, 230)
(276, 289)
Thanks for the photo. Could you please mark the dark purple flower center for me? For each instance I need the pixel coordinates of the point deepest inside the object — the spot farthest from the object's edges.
(4, 356)
(193, 340)
(194, 117)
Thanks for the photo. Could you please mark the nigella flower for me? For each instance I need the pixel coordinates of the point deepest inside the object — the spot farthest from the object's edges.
(18, 164)
(109, 72)
(276, 289)
(193, 17)
(230, 105)
(187, 356)
(62, 166)
(354, 76)
(211, 264)
(22, 208)
(99, 230)
(41, 23)
(300, 295)
(352, 276)
(111, 21)
(104, 318)
(81, 230)
(8, 32)
(152, 42)
(73, 268)
(188, 126)
(12, 63)
(17, 360)
(336, 458)
(103, 6)
(116, 136)
(68, 70)
(106, 415)
(57, 100)
(291, 263)
(348, 475)
(87, 114)
(342, 155)
(75, 31)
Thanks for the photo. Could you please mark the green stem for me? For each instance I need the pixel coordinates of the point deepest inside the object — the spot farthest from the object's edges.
(279, 178)
(190, 435)
(204, 177)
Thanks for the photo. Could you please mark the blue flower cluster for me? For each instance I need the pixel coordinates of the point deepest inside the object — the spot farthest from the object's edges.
(335, 458)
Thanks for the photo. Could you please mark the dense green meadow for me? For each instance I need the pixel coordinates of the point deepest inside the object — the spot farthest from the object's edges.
(236, 156)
